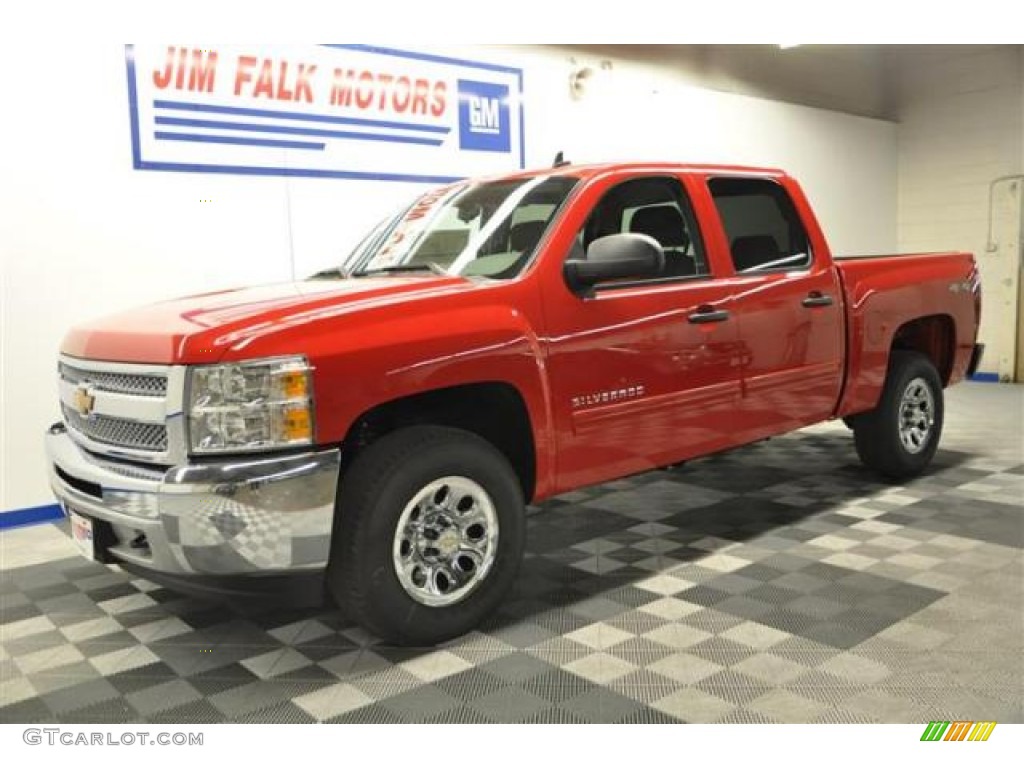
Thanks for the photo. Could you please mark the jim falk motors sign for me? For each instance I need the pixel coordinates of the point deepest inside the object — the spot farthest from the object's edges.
(347, 111)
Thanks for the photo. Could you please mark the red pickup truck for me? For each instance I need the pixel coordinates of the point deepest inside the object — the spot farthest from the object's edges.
(497, 342)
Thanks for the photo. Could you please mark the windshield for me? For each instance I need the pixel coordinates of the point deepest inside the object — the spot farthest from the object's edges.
(486, 229)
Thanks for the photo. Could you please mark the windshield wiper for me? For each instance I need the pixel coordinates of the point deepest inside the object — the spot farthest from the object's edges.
(398, 268)
(334, 273)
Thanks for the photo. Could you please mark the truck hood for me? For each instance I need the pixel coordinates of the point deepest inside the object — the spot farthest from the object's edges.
(202, 328)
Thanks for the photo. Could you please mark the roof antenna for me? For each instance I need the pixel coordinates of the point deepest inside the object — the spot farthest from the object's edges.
(559, 160)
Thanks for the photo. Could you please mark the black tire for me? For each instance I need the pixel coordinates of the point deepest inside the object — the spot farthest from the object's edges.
(380, 484)
(877, 433)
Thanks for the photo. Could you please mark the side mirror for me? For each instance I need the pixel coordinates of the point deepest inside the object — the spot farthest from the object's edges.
(615, 257)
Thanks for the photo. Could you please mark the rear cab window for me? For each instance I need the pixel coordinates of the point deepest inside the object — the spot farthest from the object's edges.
(761, 224)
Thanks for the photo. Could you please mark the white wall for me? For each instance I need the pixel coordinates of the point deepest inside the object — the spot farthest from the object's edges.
(961, 123)
(845, 163)
(843, 78)
(82, 234)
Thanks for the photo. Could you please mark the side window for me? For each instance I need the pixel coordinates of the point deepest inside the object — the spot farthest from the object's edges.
(761, 223)
(655, 206)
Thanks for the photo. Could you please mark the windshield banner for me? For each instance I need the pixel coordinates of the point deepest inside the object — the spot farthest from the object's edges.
(345, 111)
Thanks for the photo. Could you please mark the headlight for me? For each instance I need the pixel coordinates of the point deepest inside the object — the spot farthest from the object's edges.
(250, 406)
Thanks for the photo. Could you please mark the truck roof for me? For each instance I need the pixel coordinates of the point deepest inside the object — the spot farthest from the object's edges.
(590, 170)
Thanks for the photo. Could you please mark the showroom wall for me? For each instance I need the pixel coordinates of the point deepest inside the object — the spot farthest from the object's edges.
(844, 78)
(84, 234)
(961, 128)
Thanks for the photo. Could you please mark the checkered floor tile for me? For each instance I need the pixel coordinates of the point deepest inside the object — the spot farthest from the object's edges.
(778, 583)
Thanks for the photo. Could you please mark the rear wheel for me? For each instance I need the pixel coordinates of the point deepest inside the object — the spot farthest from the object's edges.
(900, 436)
(429, 535)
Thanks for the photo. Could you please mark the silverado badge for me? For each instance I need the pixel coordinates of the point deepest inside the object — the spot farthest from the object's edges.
(84, 400)
(608, 396)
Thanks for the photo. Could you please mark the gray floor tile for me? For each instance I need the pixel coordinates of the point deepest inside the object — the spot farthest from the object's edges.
(777, 583)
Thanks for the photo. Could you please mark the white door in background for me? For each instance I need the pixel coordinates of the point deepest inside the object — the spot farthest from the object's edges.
(1001, 313)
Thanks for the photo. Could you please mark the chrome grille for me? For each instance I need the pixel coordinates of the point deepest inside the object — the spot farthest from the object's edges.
(146, 385)
(120, 432)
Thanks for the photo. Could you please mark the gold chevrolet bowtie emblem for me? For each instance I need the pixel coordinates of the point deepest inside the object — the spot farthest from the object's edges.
(84, 401)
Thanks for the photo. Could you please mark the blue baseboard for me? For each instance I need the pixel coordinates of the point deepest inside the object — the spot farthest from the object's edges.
(991, 377)
(30, 516)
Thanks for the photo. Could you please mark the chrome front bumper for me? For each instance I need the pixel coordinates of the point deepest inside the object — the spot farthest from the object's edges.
(247, 516)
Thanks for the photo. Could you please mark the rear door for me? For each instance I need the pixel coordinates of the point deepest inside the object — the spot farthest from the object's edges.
(788, 304)
(643, 373)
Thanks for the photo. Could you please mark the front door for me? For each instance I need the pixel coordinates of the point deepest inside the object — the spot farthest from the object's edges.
(643, 373)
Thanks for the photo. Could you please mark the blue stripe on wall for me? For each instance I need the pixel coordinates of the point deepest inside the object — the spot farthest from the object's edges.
(212, 139)
(278, 114)
(994, 377)
(295, 131)
(30, 516)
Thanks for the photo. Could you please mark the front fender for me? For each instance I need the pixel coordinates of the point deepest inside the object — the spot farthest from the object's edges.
(396, 355)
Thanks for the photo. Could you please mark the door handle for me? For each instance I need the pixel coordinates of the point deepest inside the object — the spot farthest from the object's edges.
(817, 299)
(707, 314)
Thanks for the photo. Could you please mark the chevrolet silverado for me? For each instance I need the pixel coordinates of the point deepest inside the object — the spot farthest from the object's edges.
(495, 343)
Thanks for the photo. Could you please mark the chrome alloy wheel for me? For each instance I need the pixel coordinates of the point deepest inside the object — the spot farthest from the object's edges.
(446, 541)
(917, 415)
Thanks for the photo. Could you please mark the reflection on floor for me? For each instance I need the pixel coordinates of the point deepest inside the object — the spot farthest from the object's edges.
(781, 582)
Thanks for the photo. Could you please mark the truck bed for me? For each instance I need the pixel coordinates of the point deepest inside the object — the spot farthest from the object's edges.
(934, 295)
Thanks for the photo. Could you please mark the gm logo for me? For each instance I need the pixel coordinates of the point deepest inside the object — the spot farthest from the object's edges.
(483, 117)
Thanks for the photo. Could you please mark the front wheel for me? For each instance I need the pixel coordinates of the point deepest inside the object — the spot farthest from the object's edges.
(900, 436)
(428, 536)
